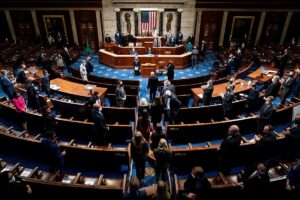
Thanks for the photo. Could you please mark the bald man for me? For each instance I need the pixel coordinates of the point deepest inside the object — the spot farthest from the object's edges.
(229, 148)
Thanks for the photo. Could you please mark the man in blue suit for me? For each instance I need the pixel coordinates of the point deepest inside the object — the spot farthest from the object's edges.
(118, 38)
(7, 85)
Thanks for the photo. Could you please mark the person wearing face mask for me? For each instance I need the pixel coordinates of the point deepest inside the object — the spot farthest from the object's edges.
(266, 114)
(197, 185)
(12, 187)
(100, 129)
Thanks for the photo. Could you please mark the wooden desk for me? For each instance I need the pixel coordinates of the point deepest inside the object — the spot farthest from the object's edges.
(147, 68)
(221, 88)
(76, 89)
(126, 61)
(262, 77)
(177, 50)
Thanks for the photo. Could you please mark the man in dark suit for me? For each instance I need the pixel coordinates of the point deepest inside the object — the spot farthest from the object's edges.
(292, 133)
(252, 97)
(21, 77)
(170, 70)
(273, 88)
(90, 103)
(265, 145)
(45, 83)
(228, 98)
(118, 38)
(152, 86)
(89, 66)
(202, 48)
(32, 97)
(172, 106)
(7, 86)
(207, 92)
(191, 39)
(168, 86)
(172, 41)
(266, 114)
(287, 87)
(67, 58)
(107, 39)
(99, 129)
(229, 148)
(55, 155)
(179, 38)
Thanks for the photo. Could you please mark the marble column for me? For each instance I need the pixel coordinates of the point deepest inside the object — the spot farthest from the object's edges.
(73, 25)
(198, 26)
(223, 28)
(285, 28)
(260, 27)
(35, 23)
(10, 25)
(99, 27)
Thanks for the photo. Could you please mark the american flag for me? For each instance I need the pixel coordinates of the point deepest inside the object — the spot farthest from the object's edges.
(148, 21)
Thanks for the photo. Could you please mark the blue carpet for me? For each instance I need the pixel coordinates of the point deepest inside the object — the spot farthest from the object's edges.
(127, 74)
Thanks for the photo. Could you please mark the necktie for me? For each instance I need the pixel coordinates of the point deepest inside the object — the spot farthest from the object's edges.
(157, 42)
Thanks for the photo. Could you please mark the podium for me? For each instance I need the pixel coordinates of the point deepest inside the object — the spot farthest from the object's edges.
(147, 68)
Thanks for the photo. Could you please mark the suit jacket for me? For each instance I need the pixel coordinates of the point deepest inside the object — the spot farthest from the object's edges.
(287, 86)
(227, 101)
(21, 77)
(170, 70)
(118, 38)
(200, 187)
(273, 89)
(99, 128)
(152, 83)
(89, 67)
(179, 38)
(175, 104)
(45, 83)
(264, 148)
(107, 39)
(172, 41)
(266, 113)
(157, 42)
(253, 95)
(230, 145)
(66, 58)
(207, 94)
(7, 85)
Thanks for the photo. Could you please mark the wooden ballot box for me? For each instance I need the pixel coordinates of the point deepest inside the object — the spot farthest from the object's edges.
(147, 68)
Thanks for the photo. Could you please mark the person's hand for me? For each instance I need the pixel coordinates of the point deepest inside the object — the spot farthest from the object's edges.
(191, 196)
(288, 187)
(222, 95)
(29, 190)
(63, 153)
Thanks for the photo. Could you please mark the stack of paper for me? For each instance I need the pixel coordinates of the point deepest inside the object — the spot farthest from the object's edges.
(89, 181)
(26, 172)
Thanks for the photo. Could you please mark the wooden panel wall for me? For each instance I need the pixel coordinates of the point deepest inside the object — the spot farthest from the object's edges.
(87, 18)
(239, 26)
(211, 22)
(294, 30)
(273, 27)
(23, 24)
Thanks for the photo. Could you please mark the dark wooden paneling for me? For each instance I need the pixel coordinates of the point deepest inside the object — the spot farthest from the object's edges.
(4, 33)
(66, 16)
(23, 24)
(211, 22)
(51, 3)
(229, 23)
(86, 17)
(273, 27)
(293, 30)
(272, 4)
